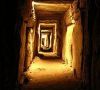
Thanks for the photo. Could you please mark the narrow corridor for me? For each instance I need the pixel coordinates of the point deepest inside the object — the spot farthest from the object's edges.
(51, 52)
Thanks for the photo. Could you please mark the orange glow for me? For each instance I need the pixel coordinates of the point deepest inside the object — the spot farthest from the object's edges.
(46, 71)
(51, 4)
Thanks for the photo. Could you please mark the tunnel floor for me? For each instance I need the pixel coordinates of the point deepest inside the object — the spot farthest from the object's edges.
(50, 74)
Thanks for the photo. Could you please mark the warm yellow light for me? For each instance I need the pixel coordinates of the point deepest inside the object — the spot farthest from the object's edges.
(68, 43)
(50, 4)
(72, 20)
(47, 70)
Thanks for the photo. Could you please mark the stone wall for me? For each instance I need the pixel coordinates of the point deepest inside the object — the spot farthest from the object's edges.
(25, 11)
(29, 47)
(72, 39)
(77, 48)
(77, 40)
(22, 52)
(64, 29)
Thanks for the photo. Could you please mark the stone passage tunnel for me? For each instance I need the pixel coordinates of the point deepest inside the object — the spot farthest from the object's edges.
(51, 46)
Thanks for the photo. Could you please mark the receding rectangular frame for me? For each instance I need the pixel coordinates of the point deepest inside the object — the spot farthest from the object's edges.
(51, 38)
(48, 24)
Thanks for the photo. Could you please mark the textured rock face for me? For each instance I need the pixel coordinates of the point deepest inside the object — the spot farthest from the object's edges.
(29, 52)
(77, 47)
(72, 40)
(22, 51)
(67, 47)
(77, 41)
(25, 11)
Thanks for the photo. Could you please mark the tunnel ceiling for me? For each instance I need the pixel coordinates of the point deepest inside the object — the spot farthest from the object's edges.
(50, 9)
(53, 0)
